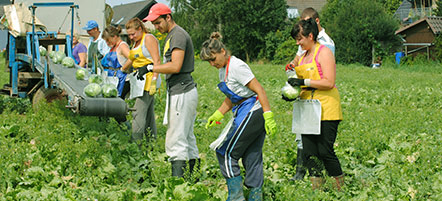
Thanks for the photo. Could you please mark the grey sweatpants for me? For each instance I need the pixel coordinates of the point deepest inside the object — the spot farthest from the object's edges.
(246, 143)
(143, 121)
(180, 139)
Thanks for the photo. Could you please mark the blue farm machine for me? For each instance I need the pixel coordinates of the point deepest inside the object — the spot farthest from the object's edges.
(38, 77)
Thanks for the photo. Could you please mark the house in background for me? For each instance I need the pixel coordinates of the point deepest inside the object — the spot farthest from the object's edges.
(295, 7)
(124, 12)
(2, 3)
(412, 10)
(3, 33)
(419, 36)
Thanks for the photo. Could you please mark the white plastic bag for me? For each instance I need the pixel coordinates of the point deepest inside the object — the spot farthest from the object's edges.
(307, 117)
(110, 79)
(136, 86)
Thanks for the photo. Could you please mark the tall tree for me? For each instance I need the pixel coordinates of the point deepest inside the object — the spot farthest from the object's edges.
(198, 17)
(358, 26)
(243, 24)
(438, 11)
(390, 5)
(246, 23)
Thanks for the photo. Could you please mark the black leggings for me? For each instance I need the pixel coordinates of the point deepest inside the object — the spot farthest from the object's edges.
(318, 150)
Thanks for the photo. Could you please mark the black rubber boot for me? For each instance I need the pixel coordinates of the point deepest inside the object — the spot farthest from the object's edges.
(194, 165)
(300, 169)
(178, 168)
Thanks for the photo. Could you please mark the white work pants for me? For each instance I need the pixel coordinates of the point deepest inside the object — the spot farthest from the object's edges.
(180, 140)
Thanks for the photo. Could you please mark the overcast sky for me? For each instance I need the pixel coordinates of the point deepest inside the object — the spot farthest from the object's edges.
(118, 2)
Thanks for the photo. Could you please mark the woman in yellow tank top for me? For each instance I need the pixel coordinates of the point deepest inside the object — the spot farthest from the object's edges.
(316, 75)
(144, 51)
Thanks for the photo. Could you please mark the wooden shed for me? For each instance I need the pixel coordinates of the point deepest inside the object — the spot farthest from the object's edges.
(420, 35)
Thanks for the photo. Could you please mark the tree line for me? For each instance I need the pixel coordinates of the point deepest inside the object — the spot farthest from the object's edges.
(260, 29)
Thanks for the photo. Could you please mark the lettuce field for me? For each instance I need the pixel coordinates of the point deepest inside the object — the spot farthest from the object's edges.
(389, 144)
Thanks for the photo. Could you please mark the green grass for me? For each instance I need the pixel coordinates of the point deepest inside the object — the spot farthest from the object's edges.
(4, 76)
(389, 145)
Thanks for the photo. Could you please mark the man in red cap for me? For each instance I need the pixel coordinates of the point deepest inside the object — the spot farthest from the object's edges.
(182, 95)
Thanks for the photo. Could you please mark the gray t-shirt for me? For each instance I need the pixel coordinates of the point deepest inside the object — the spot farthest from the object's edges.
(238, 76)
(180, 82)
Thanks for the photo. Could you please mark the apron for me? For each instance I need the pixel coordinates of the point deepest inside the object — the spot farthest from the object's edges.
(93, 49)
(112, 67)
(315, 105)
(139, 60)
(240, 110)
(166, 110)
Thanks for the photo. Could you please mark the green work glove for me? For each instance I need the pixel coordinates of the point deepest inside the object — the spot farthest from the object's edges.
(216, 116)
(269, 122)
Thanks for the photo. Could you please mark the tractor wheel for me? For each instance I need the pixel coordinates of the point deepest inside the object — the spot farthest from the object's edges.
(47, 95)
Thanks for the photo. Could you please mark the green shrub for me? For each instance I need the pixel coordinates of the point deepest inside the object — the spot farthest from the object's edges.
(246, 23)
(243, 24)
(438, 11)
(418, 60)
(358, 26)
(406, 60)
(285, 52)
(438, 47)
(413, 64)
(273, 40)
(389, 60)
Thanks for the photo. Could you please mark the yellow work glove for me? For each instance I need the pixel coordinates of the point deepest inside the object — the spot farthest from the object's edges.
(153, 87)
(269, 123)
(216, 116)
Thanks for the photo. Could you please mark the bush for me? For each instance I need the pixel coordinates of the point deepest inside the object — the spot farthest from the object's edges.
(438, 47)
(285, 52)
(273, 40)
(246, 23)
(438, 11)
(410, 60)
(243, 24)
(358, 26)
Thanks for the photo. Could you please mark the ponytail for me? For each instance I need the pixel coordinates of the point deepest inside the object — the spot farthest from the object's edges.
(305, 27)
(136, 23)
(111, 31)
(212, 46)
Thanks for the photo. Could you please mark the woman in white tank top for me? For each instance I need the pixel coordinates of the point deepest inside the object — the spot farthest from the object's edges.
(117, 56)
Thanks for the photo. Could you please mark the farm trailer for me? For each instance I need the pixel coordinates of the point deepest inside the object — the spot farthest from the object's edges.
(37, 77)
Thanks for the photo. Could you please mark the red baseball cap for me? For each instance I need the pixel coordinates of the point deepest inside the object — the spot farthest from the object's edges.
(157, 10)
